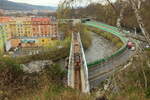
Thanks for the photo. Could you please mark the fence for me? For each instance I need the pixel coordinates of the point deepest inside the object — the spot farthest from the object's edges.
(115, 32)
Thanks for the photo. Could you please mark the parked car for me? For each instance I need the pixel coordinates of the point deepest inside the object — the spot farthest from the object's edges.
(131, 45)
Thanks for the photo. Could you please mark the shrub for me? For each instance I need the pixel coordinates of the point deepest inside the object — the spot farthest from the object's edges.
(85, 35)
(119, 45)
(147, 92)
(56, 73)
(108, 36)
(114, 40)
(10, 63)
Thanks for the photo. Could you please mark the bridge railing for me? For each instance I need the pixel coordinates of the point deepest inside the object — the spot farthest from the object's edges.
(115, 32)
(70, 66)
(121, 50)
(109, 26)
(85, 69)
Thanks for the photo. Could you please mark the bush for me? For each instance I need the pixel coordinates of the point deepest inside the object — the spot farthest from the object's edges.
(10, 63)
(51, 52)
(115, 40)
(56, 73)
(147, 92)
(119, 45)
(85, 35)
(108, 36)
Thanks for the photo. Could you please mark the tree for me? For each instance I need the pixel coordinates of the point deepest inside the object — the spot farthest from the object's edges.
(136, 5)
(119, 9)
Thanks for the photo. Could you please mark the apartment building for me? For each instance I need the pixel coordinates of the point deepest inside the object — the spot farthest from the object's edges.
(29, 31)
(1, 40)
(3, 37)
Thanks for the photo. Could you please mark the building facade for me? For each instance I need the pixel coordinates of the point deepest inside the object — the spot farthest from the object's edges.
(3, 37)
(4, 19)
(1, 40)
(28, 31)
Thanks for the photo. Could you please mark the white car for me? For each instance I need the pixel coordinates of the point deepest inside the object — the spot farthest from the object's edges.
(133, 48)
(147, 46)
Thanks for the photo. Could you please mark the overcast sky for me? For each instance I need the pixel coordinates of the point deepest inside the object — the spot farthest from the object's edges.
(45, 2)
(39, 2)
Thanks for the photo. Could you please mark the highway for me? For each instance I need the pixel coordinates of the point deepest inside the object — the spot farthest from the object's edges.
(101, 72)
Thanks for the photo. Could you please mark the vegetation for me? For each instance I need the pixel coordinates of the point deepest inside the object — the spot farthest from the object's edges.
(57, 92)
(55, 52)
(105, 13)
(65, 28)
(14, 82)
(85, 35)
(8, 62)
(133, 82)
(45, 85)
(49, 83)
(68, 29)
(117, 42)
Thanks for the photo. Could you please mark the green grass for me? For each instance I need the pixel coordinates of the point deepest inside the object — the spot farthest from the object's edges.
(10, 63)
(52, 88)
(55, 92)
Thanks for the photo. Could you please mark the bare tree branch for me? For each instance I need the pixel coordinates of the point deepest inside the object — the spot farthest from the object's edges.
(139, 20)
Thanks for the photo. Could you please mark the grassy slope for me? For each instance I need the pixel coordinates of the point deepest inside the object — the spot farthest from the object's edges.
(133, 82)
(46, 85)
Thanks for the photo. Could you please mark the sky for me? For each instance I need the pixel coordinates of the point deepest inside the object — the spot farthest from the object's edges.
(39, 2)
(45, 2)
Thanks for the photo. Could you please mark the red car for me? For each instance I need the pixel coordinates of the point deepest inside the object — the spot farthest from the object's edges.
(129, 45)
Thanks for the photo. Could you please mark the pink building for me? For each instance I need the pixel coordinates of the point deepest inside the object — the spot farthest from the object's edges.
(5, 19)
(43, 27)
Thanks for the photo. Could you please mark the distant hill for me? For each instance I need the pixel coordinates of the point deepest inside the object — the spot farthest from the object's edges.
(9, 5)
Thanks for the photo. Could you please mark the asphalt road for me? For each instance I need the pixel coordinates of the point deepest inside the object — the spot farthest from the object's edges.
(99, 73)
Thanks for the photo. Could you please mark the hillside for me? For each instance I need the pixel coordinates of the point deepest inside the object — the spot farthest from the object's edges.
(8, 5)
